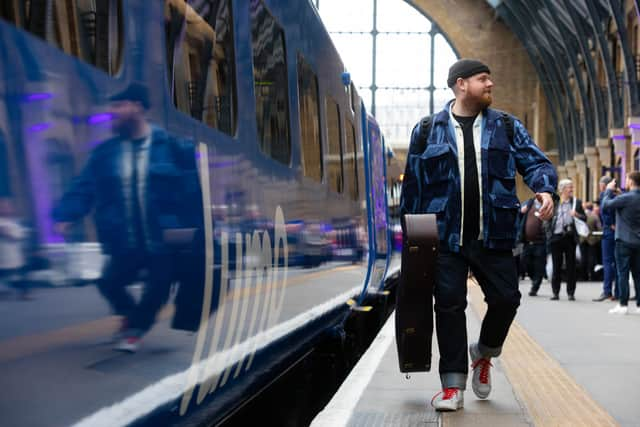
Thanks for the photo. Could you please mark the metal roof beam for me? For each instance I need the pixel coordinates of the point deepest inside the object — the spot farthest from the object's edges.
(612, 82)
(558, 61)
(617, 10)
(555, 98)
(601, 109)
(571, 49)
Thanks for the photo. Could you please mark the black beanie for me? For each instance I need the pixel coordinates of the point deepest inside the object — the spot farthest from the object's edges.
(465, 68)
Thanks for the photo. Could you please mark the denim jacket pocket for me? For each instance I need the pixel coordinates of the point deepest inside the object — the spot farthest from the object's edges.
(502, 219)
(501, 168)
(501, 162)
(437, 163)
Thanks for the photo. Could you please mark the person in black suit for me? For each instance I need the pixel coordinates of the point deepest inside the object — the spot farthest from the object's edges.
(563, 238)
(142, 185)
(535, 248)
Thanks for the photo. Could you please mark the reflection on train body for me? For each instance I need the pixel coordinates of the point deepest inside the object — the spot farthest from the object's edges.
(189, 182)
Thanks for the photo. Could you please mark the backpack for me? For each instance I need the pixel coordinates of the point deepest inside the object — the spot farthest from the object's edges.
(425, 130)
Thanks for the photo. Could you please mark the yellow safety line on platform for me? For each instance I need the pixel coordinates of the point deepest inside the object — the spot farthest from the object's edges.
(551, 396)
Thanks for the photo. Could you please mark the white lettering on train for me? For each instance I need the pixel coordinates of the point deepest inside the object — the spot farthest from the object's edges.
(192, 376)
(260, 279)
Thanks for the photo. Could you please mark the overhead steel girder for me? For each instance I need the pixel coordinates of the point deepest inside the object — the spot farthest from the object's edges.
(557, 69)
(573, 23)
(617, 10)
(549, 85)
(602, 112)
(551, 90)
(548, 79)
(612, 82)
(571, 49)
(555, 55)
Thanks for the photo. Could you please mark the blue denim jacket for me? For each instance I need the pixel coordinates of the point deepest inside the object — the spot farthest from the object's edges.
(172, 197)
(432, 179)
(627, 210)
(608, 218)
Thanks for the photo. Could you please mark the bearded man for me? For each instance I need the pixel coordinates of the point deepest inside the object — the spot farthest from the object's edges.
(140, 184)
(462, 167)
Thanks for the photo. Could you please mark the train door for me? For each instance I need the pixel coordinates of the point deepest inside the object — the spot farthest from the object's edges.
(379, 218)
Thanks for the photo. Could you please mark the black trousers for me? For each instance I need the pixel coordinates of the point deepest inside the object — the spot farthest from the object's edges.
(122, 270)
(563, 246)
(497, 276)
(535, 255)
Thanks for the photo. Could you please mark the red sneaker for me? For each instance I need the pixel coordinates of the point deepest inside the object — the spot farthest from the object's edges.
(449, 399)
(481, 380)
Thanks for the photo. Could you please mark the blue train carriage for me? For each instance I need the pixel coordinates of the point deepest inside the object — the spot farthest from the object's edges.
(256, 211)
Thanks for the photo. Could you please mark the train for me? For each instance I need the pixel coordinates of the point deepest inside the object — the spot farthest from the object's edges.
(271, 202)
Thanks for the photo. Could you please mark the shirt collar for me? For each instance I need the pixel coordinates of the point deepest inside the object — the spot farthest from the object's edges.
(476, 123)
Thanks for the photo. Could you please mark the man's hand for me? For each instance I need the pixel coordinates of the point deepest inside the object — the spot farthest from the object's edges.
(612, 185)
(546, 210)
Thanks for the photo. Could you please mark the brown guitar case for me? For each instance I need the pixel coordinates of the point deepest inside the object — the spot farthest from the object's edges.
(414, 303)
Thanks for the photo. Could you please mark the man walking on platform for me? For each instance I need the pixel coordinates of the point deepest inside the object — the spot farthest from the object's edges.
(461, 167)
(627, 208)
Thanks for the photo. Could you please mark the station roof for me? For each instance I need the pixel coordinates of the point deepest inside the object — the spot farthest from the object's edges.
(565, 39)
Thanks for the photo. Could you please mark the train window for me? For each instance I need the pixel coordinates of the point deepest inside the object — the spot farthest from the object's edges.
(350, 165)
(352, 97)
(334, 137)
(89, 30)
(270, 83)
(360, 168)
(309, 121)
(200, 60)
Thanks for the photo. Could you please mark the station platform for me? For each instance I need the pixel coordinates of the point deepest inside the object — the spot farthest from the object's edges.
(565, 363)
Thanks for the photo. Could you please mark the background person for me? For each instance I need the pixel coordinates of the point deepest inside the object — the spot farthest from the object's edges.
(627, 234)
(12, 251)
(563, 238)
(592, 245)
(535, 249)
(610, 289)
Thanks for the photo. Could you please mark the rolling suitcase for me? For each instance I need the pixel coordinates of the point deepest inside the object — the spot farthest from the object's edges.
(414, 303)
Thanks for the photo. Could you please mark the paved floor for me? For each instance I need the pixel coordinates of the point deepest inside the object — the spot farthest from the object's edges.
(565, 363)
(600, 351)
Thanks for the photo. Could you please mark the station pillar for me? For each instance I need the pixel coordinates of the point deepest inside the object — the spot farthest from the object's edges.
(593, 162)
(604, 152)
(580, 182)
(634, 144)
(570, 166)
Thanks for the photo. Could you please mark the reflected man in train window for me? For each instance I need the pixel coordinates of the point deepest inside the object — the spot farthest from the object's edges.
(142, 186)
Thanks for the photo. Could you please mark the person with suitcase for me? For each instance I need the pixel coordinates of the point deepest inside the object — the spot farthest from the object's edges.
(461, 167)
